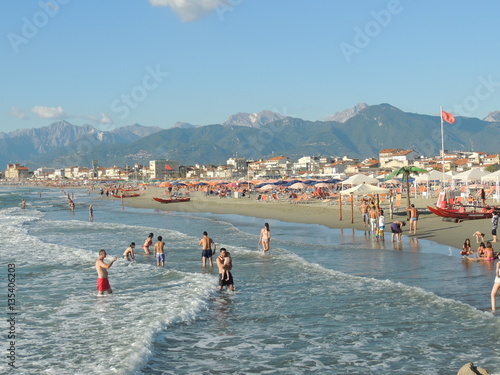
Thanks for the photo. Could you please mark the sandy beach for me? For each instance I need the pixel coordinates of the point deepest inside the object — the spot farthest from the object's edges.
(430, 227)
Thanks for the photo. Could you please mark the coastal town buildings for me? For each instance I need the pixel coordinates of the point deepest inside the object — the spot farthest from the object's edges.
(16, 172)
(274, 167)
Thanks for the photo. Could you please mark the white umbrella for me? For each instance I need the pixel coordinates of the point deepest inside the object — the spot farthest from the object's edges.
(298, 185)
(267, 187)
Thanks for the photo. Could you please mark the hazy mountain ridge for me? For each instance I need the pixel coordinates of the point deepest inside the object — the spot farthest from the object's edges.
(363, 135)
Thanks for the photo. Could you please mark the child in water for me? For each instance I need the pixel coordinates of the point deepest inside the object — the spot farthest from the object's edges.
(229, 263)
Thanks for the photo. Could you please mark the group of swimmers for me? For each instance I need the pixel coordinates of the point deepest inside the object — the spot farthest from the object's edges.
(484, 252)
(159, 250)
(224, 260)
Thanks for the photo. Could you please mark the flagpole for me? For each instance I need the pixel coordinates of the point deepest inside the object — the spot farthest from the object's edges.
(442, 139)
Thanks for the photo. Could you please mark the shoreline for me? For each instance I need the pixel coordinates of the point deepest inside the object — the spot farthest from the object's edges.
(430, 226)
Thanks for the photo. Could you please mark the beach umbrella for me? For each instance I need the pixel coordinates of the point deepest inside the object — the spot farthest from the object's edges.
(291, 182)
(298, 185)
(165, 184)
(267, 187)
(321, 185)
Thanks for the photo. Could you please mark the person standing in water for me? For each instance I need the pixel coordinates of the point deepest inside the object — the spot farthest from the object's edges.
(207, 247)
(102, 273)
(496, 286)
(147, 243)
(265, 238)
(159, 252)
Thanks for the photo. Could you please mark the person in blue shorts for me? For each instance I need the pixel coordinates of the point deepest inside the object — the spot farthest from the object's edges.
(159, 252)
(207, 249)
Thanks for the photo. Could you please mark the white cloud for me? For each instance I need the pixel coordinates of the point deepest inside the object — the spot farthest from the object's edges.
(190, 10)
(17, 113)
(48, 112)
(105, 119)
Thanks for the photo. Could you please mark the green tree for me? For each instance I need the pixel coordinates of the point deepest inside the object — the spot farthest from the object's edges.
(405, 173)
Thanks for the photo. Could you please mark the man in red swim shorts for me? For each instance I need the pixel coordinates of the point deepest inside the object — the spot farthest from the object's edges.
(102, 273)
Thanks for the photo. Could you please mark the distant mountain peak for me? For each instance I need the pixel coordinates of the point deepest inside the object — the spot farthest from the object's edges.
(493, 117)
(346, 114)
(253, 120)
(183, 125)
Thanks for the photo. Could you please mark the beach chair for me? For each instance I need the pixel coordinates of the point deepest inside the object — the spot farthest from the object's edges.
(397, 205)
(327, 202)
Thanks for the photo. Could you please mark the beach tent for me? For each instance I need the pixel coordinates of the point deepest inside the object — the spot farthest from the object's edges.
(364, 189)
(473, 174)
(432, 176)
(360, 179)
(491, 177)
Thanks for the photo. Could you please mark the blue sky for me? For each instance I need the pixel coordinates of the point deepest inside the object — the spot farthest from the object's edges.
(114, 63)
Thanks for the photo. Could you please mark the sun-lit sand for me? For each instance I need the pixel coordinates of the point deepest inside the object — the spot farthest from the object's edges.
(430, 227)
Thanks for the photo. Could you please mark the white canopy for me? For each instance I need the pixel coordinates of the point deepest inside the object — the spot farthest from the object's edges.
(365, 189)
(433, 176)
(360, 179)
(473, 174)
(491, 177)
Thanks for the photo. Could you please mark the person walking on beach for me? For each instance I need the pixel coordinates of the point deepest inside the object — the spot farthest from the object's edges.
(494, 226)
(102, 273)
(129, 252)
(265, 238)
(496, 287)
(147, 243)
(223, 268)
(413, 218)
(373, 215)
(159, 253)
(381, 225)
(207, 246)
(364, 213)
(397, 230)
(482, 196)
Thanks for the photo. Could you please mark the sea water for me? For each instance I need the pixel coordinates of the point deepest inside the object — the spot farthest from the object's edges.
(322, 301)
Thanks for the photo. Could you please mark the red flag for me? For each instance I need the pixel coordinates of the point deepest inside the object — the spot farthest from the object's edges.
(169, 168)
(448, 117)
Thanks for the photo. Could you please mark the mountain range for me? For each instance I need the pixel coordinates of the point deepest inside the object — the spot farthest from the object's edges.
(359, 132)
